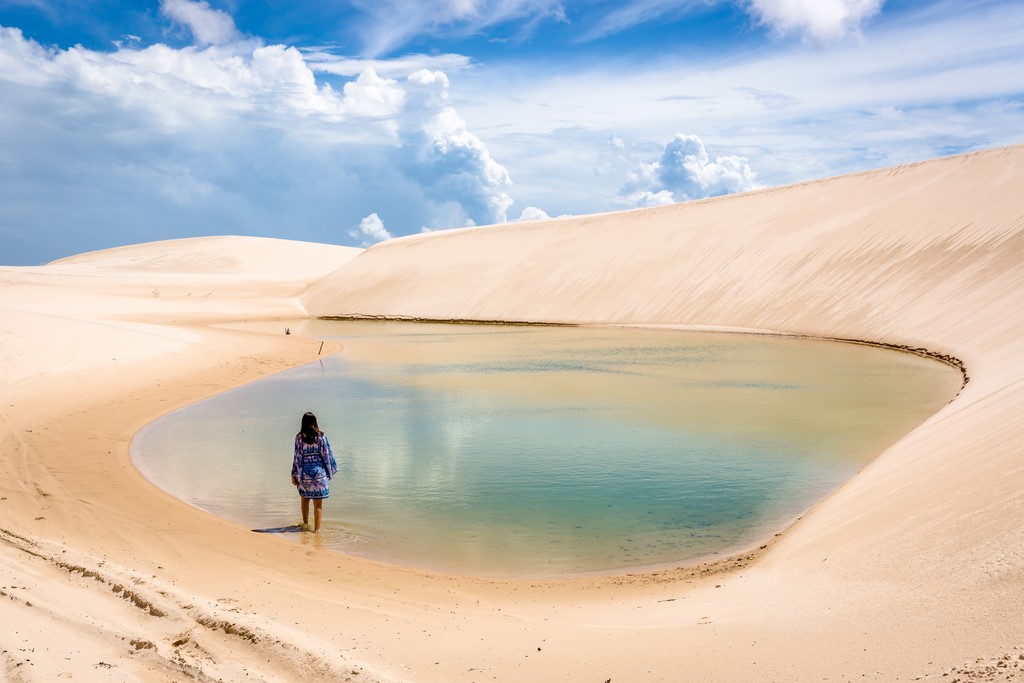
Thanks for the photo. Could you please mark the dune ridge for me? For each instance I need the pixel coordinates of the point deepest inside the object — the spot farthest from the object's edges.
(913, 570)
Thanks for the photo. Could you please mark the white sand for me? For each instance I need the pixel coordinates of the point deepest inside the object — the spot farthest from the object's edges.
(912, 570)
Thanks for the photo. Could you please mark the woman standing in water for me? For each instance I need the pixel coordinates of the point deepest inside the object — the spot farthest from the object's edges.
(312, 468)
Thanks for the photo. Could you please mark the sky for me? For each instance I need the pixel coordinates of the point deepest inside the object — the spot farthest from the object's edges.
(126, 121)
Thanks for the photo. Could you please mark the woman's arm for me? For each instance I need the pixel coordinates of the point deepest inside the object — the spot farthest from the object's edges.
(330, 464)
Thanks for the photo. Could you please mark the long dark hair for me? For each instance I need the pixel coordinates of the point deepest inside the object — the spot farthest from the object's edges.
(310, 430)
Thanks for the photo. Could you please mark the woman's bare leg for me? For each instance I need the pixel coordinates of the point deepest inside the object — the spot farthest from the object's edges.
(305, 511)
(318, 514)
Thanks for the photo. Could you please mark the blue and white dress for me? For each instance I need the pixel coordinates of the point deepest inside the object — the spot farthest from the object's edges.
(313, 466)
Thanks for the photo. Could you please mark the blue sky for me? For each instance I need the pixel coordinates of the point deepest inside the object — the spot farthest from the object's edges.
(348, 122)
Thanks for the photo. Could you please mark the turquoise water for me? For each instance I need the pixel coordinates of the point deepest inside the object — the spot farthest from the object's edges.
(539, 451)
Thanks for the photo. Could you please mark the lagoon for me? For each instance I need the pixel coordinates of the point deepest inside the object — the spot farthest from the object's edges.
(548, 451)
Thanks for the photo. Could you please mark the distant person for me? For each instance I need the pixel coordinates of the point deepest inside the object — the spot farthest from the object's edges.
(312, 468)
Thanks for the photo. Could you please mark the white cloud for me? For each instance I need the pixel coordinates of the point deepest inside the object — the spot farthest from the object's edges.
(686, 170)
(182, 89)
(389, 24)
(239, 137)
(817, 21)
(234, 135)
(626, 15)
(321, 61)
(370, 231)
(373, 96)
(683, 172)
(452, 164)
(532, 213)
(643, 198)
(208, 26)
(954, 70)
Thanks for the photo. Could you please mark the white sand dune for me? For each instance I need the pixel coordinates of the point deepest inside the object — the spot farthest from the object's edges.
(912, 570)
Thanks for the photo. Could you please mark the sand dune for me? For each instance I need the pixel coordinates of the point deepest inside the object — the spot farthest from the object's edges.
(912, 570)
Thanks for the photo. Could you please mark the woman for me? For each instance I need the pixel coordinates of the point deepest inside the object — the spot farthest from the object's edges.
(312, 468)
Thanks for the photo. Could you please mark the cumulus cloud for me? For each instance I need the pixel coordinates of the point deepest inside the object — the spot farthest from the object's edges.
(451, 163)
(532, 213)
(371, 96)
(231, 135)
(370, 231)
(683, 172)
(208, 26)
(816, 21)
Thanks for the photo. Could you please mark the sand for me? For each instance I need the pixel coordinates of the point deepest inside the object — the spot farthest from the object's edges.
(913, 570)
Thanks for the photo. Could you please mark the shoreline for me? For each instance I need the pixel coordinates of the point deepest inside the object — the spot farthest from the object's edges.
(711, 564)
(911, 570)
(921, 351)
(724, 561)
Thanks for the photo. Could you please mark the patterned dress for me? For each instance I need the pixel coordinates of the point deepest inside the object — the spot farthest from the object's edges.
(313, 466)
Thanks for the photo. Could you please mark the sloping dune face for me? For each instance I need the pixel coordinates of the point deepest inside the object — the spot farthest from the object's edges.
(925, 254)
(910, 570)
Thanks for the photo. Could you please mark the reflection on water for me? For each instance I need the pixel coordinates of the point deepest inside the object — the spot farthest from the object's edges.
(493, 450)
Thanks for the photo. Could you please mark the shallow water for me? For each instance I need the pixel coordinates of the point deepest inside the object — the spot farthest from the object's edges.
(536, 451)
